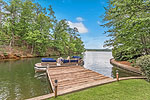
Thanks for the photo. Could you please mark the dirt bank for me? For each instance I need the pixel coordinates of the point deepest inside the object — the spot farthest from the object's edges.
(125, 65)
(15, 53)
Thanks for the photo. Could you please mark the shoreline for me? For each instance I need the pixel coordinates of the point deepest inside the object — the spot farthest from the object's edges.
(15, 56)
(125, 66)
(10, 57)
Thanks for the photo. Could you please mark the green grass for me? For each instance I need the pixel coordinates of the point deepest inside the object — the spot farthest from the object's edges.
(122, 90)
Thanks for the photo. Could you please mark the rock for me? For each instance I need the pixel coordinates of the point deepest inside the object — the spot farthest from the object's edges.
(2, 56)
(30, 56)
(11, 56)
(17, 54)
(23, 56)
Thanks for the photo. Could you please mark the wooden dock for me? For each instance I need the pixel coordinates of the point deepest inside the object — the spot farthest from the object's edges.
(73, 78)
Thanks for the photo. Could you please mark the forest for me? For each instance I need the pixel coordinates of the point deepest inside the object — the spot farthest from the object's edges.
(27, 25)
(128, 24)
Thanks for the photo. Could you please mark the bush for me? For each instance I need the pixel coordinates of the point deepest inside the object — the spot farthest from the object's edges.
(5, 54)
(144, 63)
(124, 54)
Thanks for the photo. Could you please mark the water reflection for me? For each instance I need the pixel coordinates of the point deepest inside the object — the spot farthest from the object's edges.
(17, 81)
(100, 62)
(122, 72)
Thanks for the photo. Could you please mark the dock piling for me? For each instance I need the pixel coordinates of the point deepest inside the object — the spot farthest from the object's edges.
(56, 81)
(117, 75)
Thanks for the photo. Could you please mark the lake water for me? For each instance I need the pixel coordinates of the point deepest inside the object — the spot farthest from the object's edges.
(100, 62)
(18, 80)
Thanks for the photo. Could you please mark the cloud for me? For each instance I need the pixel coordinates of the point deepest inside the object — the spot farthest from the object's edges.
(98, 22)
(79, 25)
(80, 19)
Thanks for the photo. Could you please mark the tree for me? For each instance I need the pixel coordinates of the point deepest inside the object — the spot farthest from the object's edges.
(12, 18)
(128, 24)
(28, 25)
(60, 36)
(66, 40)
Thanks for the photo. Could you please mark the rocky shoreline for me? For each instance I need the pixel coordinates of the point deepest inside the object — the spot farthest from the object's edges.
(15, 56)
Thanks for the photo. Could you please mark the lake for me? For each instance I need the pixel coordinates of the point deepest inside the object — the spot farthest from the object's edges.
(99, 61)
(18, 80)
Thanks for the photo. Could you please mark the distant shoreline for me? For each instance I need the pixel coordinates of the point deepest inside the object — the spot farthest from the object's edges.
(108, 50)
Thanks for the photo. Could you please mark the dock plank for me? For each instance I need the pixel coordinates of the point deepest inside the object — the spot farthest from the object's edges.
(73, 76)
(81, 86)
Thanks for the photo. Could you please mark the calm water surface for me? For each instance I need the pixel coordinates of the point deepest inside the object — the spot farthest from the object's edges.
(18, 80)
(100, 62)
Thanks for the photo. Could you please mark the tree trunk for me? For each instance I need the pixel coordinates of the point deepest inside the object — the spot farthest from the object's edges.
(0, 14)
(32, 49)
(144, 43)
(13, 39)
(10, 43)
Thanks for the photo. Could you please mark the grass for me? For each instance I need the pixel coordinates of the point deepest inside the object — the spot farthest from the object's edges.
(136, 89)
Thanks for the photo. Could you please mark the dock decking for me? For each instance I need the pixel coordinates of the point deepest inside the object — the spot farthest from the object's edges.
(75, 78)
(72, 78)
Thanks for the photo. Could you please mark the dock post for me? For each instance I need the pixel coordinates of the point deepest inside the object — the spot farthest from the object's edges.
(56, 81)
(47, 66)
(78, 62)
(117, 75)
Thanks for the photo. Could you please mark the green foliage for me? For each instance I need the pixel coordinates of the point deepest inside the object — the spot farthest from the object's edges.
(133, 62)
(144, 63)
(28, 24)
(128, 24)
(121, 53)
(67, 40)
(4, 38)
(5, 54)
